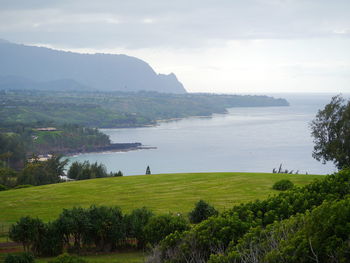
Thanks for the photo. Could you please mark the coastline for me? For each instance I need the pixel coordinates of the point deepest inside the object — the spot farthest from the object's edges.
(113, 147)
(70, 154)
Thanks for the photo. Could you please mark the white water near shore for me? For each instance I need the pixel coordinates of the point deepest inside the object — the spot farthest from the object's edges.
(244, 140)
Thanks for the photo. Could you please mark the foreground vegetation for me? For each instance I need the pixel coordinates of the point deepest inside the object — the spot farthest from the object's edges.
(161, 193)
(293, 226)
(307, 224)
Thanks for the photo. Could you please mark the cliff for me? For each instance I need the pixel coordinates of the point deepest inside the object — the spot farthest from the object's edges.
(26, 66)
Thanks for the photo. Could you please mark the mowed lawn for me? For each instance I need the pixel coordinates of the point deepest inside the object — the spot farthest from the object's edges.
(162, 193)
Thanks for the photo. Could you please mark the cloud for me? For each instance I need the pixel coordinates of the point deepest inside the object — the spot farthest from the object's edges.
(174, 24)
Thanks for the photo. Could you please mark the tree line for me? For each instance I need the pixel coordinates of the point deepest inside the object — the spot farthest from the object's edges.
(51, 171)
(97, 228)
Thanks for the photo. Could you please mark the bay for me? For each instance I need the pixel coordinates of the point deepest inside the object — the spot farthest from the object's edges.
(249, 139)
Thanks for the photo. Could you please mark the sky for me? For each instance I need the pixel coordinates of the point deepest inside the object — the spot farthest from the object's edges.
(221, 46)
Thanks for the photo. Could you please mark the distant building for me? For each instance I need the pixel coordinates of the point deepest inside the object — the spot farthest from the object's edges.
(46, 129)
(40, 158)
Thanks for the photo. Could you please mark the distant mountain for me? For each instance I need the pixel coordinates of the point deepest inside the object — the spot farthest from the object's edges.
(22, 83)
(44, 68)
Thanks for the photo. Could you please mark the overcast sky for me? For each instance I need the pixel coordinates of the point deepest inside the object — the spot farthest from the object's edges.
(233, 46)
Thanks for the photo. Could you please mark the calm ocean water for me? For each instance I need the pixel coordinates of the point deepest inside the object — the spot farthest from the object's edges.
(244, 140)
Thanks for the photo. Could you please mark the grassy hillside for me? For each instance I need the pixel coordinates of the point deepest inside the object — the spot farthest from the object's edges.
(162, 193)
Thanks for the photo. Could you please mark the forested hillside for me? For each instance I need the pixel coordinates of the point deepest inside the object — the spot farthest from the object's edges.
(117, 109)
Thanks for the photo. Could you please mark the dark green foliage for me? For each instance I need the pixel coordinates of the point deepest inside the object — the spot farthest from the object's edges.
(331, 132)
(196, 245)
(158, 227)
(3, 187)
(19, 258)
(117, 174)
(320, 236)
(260, 214)
(283, 185)
(136, 222)
(8, 177)
(37, 237)
(106, 227)
(66, 258)
(99, 225)
(28, 231)
(74, 224)
(51, 242)
(40, 173)
(85, 170)
(12, 149)
(201, 211)
(148, 170)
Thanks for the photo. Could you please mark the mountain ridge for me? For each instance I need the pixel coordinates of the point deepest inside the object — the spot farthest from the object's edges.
(105, 72)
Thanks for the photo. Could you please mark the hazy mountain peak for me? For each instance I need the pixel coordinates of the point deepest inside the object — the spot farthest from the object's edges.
(107, 72)
(4, 41)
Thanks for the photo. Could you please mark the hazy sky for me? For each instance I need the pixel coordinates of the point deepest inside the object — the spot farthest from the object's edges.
(211, 45)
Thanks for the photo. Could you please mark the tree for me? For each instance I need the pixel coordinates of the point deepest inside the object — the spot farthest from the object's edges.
(8, 177)
(331, 132)
(136, 223)
(85, 170)
(106, 226)
(202, 211)
(28, 231)
(148, 170)
(158, 227)
(74, 224)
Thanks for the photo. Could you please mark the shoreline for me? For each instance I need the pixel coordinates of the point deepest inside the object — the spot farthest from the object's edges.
(159, 121)
(113, 147)
(71, 154)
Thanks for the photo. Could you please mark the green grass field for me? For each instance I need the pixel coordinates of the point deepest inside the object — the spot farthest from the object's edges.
(162, 193)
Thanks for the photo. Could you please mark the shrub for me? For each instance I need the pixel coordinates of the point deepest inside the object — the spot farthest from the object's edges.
(158, 227)
(19, 258)
(66, 258)
(3, 187)
(283, 185)
(201, 212)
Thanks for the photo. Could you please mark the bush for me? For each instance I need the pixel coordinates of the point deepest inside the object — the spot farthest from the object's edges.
(283, 185)
(202, 211)
(19, 258)
(3, 187)
(66, 258)
(158, 227)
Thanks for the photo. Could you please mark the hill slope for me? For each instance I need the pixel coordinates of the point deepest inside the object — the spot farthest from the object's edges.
(105, 72)
(162, 193)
